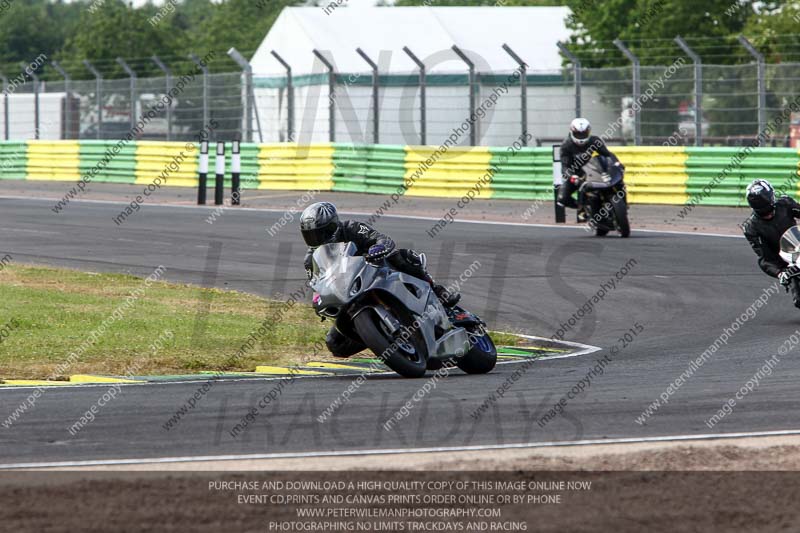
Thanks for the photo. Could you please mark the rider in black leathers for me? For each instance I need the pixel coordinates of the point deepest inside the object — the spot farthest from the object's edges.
(763, 230)
(576, 150)
(320, 225)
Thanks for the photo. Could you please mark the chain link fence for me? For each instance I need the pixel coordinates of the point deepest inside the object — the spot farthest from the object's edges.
(110, 108)
(656, 105)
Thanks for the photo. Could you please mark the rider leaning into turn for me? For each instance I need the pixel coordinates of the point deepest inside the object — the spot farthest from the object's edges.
(763, 230)
(320, 224)
(576, 150)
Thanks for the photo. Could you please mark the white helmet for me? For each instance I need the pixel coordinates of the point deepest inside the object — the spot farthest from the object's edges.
(579, 131)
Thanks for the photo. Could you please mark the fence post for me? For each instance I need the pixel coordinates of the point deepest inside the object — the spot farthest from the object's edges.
(36, 108)
(375, 95)
(576, 67)
(698, 89)
(289, 96)
(168, 76)
(68, 97)
(761, 69)
(98, 95)
(473, 95)
(5, 105)
(422, 96)
(132, 75)
(204, 69)
(331, 95)
(523, 87)
(252, 109)
(637, 91)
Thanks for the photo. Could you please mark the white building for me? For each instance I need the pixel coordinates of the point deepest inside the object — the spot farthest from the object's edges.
(336, 31)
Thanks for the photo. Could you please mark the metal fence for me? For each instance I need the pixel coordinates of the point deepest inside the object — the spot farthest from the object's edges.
(177, 108)
(647, 105)
(653, 106)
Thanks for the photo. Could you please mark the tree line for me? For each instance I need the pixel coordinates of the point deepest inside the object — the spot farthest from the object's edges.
(102, 30)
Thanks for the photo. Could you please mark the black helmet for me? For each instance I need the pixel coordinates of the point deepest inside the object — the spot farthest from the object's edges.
(319, 223)
(761, 197)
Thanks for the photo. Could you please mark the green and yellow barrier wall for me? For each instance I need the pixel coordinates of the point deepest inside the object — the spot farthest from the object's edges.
(655, 175)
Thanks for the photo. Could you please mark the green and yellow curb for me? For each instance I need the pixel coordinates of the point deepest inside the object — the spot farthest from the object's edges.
(350, 367)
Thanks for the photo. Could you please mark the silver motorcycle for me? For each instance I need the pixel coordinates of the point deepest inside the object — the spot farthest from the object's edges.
(397, 316)
(790, 247)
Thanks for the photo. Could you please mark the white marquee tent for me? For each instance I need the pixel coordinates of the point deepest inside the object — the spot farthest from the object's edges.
(430, 32)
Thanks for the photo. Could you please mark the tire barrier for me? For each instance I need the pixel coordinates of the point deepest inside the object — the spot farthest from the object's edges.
(655, 174)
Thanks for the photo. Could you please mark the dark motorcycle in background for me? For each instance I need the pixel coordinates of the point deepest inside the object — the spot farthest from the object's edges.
(603, 196)
(397, 316)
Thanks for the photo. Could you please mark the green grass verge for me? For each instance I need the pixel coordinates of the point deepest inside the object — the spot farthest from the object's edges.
(51, 312)
(47, 313)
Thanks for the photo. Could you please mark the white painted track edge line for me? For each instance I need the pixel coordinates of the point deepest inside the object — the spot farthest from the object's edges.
(396, 451)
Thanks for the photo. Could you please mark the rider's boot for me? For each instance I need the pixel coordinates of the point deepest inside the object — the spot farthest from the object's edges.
(582, 215)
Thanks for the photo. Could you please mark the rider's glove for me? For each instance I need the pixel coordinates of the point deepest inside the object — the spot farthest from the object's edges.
(620, 165)
(574, 179)
(786, 275)
(377, 252)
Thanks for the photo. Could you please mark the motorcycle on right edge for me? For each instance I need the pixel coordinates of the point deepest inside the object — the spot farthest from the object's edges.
(603, 195)
(790, 246)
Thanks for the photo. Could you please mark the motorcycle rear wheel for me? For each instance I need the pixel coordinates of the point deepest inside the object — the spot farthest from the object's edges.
(407, 358)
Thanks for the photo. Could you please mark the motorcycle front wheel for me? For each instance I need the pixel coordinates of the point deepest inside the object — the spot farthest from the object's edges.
(621, 214)
(408, 357)
(482, 356)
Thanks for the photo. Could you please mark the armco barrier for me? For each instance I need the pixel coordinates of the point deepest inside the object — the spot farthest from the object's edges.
(778, 165)
(288, 166)
(53, 161)
(98, 157)
(368, 168)
(13, 160)
(176, 162)
(655, 174)
(452, 174)
(526, 174)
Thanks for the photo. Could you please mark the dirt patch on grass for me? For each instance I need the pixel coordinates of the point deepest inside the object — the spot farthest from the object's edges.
(664, 487)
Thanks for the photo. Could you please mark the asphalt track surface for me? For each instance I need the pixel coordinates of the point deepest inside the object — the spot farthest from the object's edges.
(682, 290)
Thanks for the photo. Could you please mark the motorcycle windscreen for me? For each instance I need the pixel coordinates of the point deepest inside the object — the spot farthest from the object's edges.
(596, 175)
(327, 256)
(790, 241)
